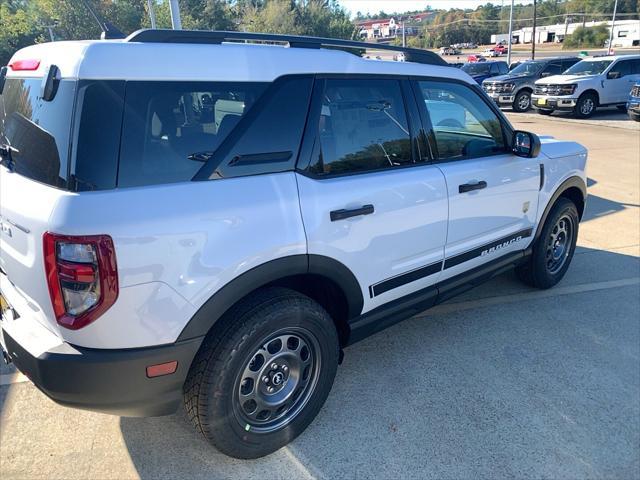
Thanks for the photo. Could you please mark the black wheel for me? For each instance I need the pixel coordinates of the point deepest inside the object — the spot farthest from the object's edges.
(522, 102)
(586, 106)
(635, 117)
(553, 251)
(542, 111)
(262, 375)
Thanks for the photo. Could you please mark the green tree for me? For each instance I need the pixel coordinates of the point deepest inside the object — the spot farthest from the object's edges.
(587, 37)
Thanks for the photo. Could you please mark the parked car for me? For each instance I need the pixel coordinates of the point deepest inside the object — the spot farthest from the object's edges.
(515, 88)
(474, 58)
(480, 71)
(501, 49)
(633, 104)
(155, 251)
(587, 85)
(449, 51)
(490, 53)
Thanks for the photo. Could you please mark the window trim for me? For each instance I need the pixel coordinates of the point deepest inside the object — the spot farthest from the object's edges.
(311, 144)
(506, 128)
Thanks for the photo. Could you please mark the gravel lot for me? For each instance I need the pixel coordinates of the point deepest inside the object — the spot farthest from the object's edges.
(504, 381)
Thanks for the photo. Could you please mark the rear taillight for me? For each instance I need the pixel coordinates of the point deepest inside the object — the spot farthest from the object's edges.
(82, 276)
(30, 64)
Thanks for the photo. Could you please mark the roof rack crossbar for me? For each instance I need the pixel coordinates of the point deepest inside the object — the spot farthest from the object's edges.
(293, 41)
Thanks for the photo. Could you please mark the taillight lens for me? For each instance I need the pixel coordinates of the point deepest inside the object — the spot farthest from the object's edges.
(82, 276)
(30, 64)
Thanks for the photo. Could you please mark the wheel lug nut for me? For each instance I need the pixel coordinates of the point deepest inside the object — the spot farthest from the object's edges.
(284, 368)
(274, 366)
(269, 389)
(265, 379)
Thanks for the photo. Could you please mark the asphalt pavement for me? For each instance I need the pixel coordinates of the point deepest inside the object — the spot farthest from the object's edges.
(502, 382)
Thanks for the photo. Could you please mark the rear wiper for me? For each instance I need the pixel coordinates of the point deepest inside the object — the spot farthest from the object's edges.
(7, 151)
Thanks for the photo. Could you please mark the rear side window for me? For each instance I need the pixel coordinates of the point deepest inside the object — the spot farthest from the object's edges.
(171, 128)
(363, 127)
(37, 129)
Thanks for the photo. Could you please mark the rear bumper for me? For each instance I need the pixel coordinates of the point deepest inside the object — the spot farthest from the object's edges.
(108, 381)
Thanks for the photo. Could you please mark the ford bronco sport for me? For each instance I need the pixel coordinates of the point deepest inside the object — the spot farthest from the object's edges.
(188, 217)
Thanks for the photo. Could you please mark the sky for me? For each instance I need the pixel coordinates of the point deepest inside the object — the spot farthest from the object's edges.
(374, 6)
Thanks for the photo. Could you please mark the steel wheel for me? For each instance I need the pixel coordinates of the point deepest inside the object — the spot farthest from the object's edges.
(559, 244)
(277, 380)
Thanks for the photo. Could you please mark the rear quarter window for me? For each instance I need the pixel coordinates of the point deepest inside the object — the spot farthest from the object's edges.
(39, 130)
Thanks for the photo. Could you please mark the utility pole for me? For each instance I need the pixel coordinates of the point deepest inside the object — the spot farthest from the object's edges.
(533, 39)
(510, 34)
(152, 13)
(613, 23)
(174, 8)
(404, 36)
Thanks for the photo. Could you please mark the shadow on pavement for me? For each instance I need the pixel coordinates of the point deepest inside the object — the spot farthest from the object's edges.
(544, 387)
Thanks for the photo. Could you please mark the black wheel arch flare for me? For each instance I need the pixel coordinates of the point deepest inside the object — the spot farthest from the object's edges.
(221, 301)
(566, 186)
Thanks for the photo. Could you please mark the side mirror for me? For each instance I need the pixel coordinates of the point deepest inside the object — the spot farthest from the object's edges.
(613, 75)
(545, 74)
(525, 144)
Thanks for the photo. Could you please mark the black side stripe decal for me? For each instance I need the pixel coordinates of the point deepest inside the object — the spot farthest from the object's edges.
(404, 278)
(487, 249)
(417, 274)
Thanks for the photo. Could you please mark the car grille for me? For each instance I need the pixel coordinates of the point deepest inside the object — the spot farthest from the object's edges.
(496, 87)
(546, 89)
(635, 91)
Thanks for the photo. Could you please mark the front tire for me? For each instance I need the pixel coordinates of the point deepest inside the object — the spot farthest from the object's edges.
(522, 102)
(554, 249)
(586, 105)
(263, 374)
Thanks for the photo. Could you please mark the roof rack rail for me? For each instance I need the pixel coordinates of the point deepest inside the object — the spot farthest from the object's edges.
(293, 41)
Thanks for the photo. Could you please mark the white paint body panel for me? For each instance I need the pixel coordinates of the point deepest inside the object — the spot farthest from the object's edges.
(406, 231)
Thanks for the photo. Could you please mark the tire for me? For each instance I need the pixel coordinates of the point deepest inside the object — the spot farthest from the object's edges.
(274, 326)
(522, 102)
(544, 112)
(586, 106)
(542, 269)
(635, 117)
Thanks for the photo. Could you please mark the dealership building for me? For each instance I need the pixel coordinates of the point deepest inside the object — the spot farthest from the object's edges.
(626, 33)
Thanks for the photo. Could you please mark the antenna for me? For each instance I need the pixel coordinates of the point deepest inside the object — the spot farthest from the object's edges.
(109, 30)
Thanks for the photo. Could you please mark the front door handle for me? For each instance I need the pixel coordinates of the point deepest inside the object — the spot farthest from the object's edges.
(468, 187)
(348, 213)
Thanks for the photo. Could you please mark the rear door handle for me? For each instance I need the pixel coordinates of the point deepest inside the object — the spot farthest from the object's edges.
(348, 213)
(468, 187)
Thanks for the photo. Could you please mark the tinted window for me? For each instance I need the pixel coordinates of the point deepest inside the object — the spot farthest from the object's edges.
(476, 68)
(623, 67)
(503, 68)
(569, 63)
(527, 68)
(554, 68)
(464, 125)
(171, 128)
(363, 127)
(495, 70)
(268, 138)
(98, 124)
(39, 130)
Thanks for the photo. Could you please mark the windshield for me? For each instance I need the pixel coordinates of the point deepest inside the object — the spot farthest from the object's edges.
(475, 68)
(589, 67)
(527, 68)
(38, 131)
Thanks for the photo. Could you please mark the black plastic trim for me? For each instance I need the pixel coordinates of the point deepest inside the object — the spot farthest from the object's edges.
(406, 307)
(479, 251)
(272, 271)
(108, 381)
(571, 182)
(294, 41)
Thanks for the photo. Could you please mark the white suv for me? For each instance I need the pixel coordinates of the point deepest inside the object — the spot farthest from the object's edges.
(184, 216)
(589, 84)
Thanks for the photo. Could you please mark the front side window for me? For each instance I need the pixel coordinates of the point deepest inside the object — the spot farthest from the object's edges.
(623, 67)
(464, 125)
(527, 68)
(363, 127)
(171, 128)
(554, 68)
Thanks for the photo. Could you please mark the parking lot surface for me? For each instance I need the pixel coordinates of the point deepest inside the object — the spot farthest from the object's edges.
(504, 381)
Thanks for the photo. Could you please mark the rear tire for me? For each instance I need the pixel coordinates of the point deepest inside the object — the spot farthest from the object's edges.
(522, 102)
(542, 111)
(554, 249)
(586, 105)
(262, 374)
